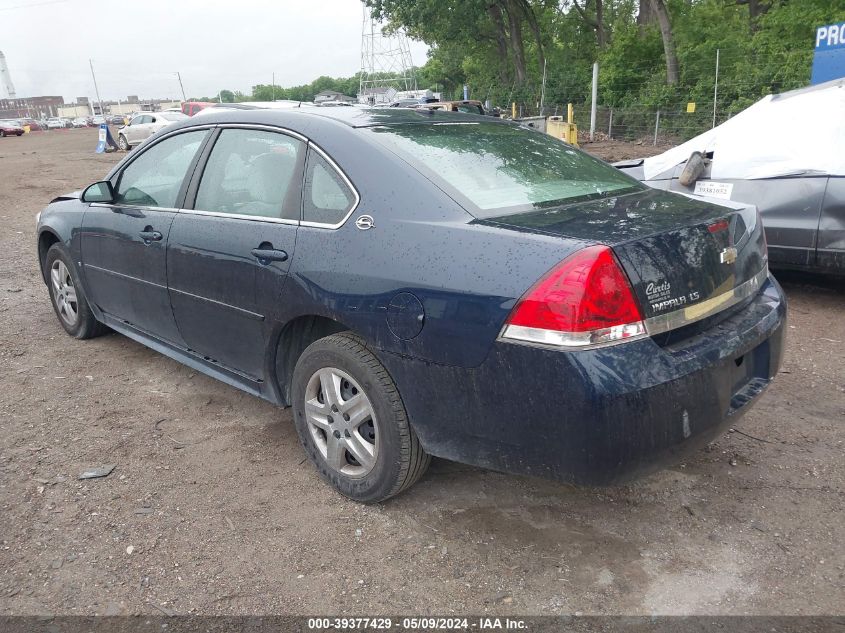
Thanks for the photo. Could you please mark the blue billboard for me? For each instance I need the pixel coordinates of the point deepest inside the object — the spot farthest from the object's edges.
(829, 58)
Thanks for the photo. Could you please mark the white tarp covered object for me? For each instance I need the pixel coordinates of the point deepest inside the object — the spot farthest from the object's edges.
(790, 133)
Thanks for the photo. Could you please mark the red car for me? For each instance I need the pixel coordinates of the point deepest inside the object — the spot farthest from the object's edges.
(10, 128)
(34, 126)
(192, 107)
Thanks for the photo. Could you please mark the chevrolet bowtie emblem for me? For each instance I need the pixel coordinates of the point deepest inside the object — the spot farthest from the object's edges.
(728, 256)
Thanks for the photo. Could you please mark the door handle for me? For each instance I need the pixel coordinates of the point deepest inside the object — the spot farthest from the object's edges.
(150, 236)
(265, 255)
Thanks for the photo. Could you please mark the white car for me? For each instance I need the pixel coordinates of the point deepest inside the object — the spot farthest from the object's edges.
(80, 122)
(55, 123)
(144, 125)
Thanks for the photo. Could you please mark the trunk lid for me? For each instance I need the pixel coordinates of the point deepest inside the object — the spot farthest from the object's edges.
(685, 257)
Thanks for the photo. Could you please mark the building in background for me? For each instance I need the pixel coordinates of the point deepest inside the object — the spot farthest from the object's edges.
(32, 107)
(332, 95)
(377, 95)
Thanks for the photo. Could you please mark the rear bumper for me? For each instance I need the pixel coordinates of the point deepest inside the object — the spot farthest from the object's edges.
(596, 417)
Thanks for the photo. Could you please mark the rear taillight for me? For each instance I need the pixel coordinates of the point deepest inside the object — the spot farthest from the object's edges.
(585, 300)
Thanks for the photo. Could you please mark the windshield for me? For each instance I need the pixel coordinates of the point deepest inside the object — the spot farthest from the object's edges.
(173, 116)
(500, 168)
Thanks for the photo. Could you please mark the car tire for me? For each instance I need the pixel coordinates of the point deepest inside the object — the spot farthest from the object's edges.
(122, 143)
(369, 457)
(68, 297)
(2, 133)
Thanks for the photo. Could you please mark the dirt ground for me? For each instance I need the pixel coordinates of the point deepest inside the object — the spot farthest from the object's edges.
(211, 508)
(611, 150)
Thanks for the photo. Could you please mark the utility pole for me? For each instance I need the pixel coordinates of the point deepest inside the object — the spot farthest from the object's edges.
(716, 88)
(96, 89)
(273, 83)
(595, 97)
(179, 77)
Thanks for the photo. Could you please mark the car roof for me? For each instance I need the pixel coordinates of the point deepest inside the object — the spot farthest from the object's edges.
(356, 117)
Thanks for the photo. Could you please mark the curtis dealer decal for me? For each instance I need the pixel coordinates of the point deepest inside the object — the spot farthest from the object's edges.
(661, 299)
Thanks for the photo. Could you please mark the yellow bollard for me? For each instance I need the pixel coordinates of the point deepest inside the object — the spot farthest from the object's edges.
(570, 115)
(26, 129)
(513, 110)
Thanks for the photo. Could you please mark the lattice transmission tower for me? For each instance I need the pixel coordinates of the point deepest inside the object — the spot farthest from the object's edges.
(385, 59)
(6, 78)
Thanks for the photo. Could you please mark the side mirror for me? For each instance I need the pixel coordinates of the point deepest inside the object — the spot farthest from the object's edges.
(99, 192)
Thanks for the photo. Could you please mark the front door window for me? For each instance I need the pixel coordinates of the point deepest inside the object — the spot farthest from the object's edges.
(155, 178)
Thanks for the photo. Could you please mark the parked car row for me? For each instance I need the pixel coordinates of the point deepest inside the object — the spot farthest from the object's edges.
(59, 123)
(467, 106)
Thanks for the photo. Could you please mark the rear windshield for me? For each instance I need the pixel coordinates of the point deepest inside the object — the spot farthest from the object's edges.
(500, 168)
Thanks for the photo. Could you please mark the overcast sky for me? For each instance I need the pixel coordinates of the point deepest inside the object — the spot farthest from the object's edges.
(137, 47)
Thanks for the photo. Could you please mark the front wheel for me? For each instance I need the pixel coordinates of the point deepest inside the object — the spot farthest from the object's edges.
(68, 297)
(351, 420)
(122, 143)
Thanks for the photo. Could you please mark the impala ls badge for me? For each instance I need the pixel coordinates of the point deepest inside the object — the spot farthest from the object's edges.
(728, 256)
(365, 222)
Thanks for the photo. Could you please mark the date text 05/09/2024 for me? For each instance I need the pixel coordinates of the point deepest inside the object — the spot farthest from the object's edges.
(418, 623)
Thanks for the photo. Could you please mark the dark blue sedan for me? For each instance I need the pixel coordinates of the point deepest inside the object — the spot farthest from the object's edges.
(418, 283)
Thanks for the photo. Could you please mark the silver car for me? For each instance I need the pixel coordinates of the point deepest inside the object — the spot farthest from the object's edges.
(796, 180)
(803, 214)
(144, 125)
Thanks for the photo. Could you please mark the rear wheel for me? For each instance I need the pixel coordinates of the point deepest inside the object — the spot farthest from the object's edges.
(2, 133)
(68, 297)
(351, 420)
(122, 143)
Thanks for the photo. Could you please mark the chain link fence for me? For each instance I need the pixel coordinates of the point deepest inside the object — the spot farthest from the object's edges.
(712, 100)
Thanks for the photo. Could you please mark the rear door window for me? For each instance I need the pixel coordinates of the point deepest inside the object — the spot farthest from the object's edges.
(252, 173)
(327, 198)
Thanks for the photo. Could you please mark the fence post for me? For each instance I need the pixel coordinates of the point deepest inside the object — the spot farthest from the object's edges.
(716, 88)
(610, 126)
(595, 96)
(656, 126)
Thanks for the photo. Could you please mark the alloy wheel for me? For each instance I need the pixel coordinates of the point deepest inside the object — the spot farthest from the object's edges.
(342, 422)
(64, 293)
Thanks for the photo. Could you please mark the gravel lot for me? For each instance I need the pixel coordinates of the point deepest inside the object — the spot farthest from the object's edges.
(211, 508)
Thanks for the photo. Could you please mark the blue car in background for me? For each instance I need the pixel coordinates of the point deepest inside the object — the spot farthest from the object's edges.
(418, 283)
